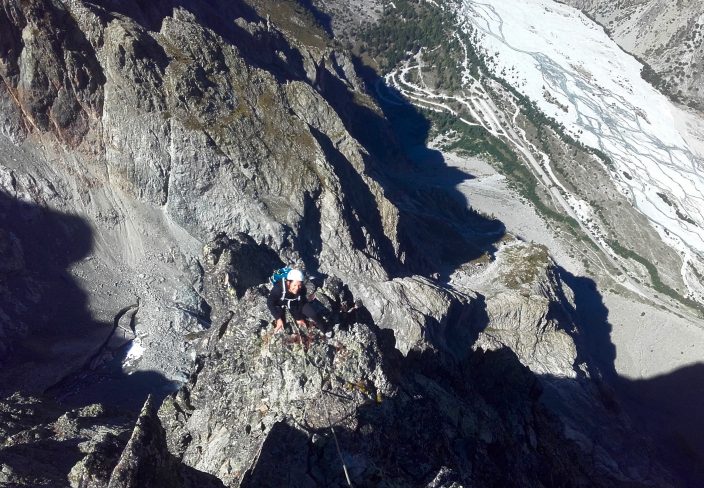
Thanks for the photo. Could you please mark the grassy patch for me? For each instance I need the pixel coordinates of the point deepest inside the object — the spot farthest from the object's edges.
(476, 141)
(525, 264)
(294, 19)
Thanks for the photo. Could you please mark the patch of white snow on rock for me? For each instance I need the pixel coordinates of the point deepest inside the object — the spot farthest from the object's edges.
(135, 352)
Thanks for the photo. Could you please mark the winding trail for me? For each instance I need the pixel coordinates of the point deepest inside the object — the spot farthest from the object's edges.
(654, 168)
(609, 104)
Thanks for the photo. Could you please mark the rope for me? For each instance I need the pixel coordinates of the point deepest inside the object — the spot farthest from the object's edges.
(337, 444)
(327, 412)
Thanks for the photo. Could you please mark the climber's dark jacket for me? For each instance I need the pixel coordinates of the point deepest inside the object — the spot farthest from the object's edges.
(277, 300)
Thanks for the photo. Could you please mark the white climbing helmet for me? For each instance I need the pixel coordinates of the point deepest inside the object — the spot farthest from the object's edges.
(294, 275)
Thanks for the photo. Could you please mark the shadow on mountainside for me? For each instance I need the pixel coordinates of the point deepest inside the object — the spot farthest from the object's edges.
(440, 396)
(438, 230)
(668, 408)
(109, 385)
(47, 328)
(283, 460)
(671, 406)
(593, 339)
(439, 222)
(321, 17)
(45, 307)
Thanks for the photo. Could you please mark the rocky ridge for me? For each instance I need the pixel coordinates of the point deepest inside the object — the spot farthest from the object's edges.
(380, 404)
(460, 408)
(175, 134)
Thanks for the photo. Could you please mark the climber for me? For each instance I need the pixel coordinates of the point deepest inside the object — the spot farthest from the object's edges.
(290, 294)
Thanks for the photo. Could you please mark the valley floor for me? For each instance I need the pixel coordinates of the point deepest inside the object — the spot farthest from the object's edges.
(648, 341)
(650, 356)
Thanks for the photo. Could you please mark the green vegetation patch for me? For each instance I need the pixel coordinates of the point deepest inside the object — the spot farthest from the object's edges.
(655, 279)
(294, 19)
(404, 30)
(476, 141)
(525, 265)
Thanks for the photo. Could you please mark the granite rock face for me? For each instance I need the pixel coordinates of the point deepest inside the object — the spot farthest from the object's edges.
(146, 461)
(91, 447)
(44, 445)
(159, 128)
(261, 408)
(528, 311)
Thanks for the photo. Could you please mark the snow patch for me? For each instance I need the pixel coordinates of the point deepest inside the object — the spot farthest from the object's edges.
(135, 353)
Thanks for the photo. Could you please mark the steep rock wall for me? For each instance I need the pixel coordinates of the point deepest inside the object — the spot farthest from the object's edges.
(161, 126)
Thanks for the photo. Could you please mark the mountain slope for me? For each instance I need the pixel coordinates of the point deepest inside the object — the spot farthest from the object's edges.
(161, 159)
(666, 35)
(157, 127)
